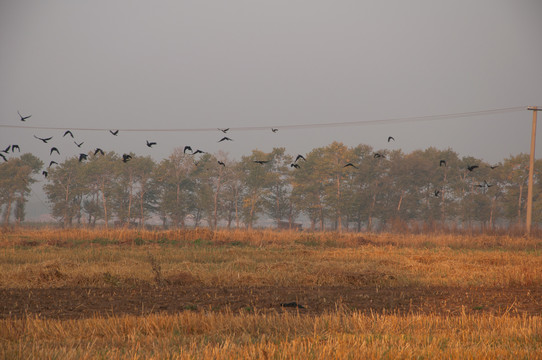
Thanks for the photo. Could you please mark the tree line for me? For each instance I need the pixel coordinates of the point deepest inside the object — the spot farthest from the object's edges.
(377, 191)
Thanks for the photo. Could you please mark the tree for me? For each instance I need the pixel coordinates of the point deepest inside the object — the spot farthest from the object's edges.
(276, 198)
(15, 181)
(309, 183)
(256, 185)
(174, 177)
(101, 176)
(65, 190)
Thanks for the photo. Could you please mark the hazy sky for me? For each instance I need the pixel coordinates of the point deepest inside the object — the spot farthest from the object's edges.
(208, 64)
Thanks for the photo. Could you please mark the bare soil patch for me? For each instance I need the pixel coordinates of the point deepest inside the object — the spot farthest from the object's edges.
(144, 298)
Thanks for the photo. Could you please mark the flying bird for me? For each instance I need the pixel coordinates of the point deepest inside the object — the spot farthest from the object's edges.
(350, 164)
(261, 162)
(43, 139)
(53, 149)
(225, 138)
(79, 145)
(68, 132)
(6, 150)
(224, 130)
(126, 158)
(379, 155)
(294, 165)
(198, 152)
(390, 138)
(472, 167)
(150, 144)
(187, 148)
(98, 150)
(13, 147)
(300, 157)
(274, 130)
(442, 163)
(114, 132)
(437, 193)
(44, 173)
(221, 163)
(82, 157)
(3, 157)
(53, 163)
(23, 118)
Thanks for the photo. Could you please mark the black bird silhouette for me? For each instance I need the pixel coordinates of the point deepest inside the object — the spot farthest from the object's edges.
(294, 165)
(442, 162)
(23, 118)
(3, 157)
(126, 158)
(44, 173)
(379, 155)
(150, 144)
(491, 167)
(472, 167)
(53, 149)
(274, 130)
(350, 164)
(300, 157)
(6, 150)
(13, 147)
(68, 132)
(53, 163)
(221, 163)
(390, 138)
(224, 130)
(437, 193)
(43, 139)
(186, 148)
(261, 162)
(292, 304)
(114, 132)
(198, 152)
(79, 145)
(82, 157)
(225, 138)
(98, 150)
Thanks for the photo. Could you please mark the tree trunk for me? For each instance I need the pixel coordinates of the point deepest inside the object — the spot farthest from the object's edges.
(104, 203)
(215, 220)
(130, 195)
(7, 212)
(370, 220)
(519, 202)
(66, 204)
(339, 220)
(400, 201)
(277, 207)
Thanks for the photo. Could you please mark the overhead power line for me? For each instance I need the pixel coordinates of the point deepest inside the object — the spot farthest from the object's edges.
(299, 126)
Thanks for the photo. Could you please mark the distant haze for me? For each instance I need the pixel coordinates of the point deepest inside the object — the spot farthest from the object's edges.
(209, 64)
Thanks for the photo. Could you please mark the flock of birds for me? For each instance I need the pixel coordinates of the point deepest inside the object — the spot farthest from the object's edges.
(188, 150)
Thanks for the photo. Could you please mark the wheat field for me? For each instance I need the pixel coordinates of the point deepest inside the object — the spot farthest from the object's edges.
(136, 294)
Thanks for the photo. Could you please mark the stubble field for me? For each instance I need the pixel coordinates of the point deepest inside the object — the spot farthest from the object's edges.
(266, 294)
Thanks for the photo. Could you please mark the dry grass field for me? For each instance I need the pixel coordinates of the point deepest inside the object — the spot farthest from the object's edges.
(265, 294)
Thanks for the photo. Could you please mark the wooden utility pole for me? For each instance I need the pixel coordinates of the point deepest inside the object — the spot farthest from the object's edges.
(535, 110)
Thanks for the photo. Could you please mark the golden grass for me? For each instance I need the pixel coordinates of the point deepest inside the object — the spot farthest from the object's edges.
(339, 335)
(55, 258)
(86, 258)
